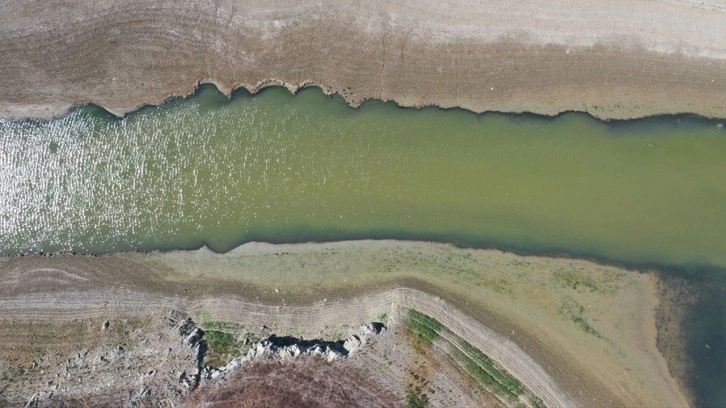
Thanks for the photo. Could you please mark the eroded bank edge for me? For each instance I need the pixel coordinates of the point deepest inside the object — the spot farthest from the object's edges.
(46, 113)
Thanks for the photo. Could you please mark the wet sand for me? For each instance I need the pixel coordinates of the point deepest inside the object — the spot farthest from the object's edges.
(589, 330)
(620, 60)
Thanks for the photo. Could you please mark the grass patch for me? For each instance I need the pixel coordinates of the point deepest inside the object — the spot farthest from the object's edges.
(582, 324)
(9, 374)
(252, 338)
(334, 333)
(490, 375)
(485, 369)
(422, 330)
(575, 312)
(221, 348)
(222, 326)
(423, 326)
(572, 279)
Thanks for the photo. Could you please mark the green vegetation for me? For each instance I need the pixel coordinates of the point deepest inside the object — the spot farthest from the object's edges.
(10, 373)
(334, 333)
(508, 383)
(574, 311)
(575, 280)
(582, 324)
(383, 318)
(423, 330)
(423, 325)
(225, 341)
(222, 326)
(486, 372)
(221, 348)
(416, 398)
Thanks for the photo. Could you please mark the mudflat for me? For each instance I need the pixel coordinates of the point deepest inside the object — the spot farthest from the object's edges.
(619, 59)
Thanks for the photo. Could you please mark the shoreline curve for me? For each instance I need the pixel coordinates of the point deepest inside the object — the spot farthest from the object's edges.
(294, 88)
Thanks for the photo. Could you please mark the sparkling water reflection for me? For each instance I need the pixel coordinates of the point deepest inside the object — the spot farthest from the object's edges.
(284, 168)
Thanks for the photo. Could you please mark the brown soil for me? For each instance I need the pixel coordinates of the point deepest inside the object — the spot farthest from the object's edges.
(479, 57)
(311, 382)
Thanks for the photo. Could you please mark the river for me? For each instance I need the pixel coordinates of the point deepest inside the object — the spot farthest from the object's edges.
(280, 168)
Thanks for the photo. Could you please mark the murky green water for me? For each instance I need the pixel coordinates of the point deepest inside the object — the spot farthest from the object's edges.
(282, 168)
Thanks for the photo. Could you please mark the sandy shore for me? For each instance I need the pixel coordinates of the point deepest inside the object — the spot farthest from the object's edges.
(622, 59)
(568, 329)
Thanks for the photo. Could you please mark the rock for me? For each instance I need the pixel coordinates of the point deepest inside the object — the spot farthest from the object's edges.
(352, 344)
(195, 337)
(190, 382)
(144, 393)
(187, 327)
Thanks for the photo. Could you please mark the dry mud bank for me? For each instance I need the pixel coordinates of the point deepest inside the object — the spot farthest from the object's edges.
(622, 59)
(569, 330)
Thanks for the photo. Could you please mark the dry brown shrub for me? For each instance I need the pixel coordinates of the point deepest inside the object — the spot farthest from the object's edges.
(309, 382)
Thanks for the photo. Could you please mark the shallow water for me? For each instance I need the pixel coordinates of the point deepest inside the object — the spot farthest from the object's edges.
(279, 168)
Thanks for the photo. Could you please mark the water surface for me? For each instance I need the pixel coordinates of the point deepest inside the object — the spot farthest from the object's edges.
(281, 168)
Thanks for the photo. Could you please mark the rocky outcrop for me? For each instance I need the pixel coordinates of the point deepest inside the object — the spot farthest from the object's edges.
(286, 348)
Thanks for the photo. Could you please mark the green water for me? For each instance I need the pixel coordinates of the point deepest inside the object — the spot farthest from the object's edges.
(282, 168)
